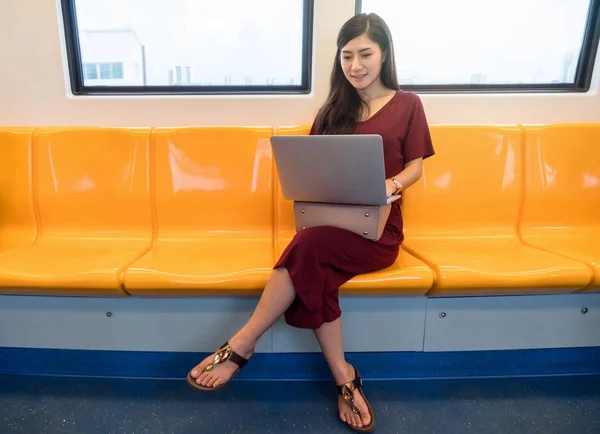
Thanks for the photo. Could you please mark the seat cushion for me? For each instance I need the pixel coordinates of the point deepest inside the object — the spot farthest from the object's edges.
(490, 266)
(70, 267)
(210, 264)
(406, 277)
(580, 246)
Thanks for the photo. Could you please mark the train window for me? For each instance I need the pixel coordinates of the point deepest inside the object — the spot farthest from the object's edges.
(477, 46)
(188, 46)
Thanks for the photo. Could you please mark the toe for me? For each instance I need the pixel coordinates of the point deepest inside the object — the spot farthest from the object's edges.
(196, 371)
(349, 418)
(207, 380)
(356, 419)
(199, 369)
(212, 381)
(365, 416)
(366, 420)
(202, 378)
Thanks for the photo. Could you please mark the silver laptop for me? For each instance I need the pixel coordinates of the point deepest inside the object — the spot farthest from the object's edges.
(345, 169)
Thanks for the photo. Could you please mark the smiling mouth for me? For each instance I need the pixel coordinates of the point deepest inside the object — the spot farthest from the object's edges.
(359, 76)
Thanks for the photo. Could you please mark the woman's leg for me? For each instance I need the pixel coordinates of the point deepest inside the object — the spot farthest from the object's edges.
(330, 339)
(276, 298)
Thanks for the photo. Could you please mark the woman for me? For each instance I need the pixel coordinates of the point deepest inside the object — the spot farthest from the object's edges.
(364, 99)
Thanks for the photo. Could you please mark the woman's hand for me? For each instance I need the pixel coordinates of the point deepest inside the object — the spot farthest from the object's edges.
(390, 187)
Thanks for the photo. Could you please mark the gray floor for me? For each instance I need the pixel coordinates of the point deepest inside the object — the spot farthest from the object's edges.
(78, 405)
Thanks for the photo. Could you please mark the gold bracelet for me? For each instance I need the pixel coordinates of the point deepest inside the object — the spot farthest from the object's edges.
(398, 185)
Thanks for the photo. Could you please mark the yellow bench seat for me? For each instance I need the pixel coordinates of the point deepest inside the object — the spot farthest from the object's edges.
(461, 219)
(561, 212)
(95, 217)
(213, 212)
(199, 211)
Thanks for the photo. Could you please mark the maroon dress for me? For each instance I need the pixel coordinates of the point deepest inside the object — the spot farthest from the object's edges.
(320, 259)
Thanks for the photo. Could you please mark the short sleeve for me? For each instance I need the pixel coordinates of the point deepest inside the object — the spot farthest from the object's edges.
(417, 143)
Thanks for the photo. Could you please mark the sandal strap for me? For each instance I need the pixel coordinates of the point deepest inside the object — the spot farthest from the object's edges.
(224, 354)
(353, 385)
(347, 390)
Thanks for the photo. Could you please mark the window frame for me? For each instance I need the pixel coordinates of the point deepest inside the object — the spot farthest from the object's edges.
(583, 73)
(78, 87)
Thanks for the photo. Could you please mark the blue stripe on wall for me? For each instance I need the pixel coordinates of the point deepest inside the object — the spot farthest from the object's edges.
(306, 366)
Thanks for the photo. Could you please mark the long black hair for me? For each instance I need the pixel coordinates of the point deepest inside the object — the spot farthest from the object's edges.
(341, 111)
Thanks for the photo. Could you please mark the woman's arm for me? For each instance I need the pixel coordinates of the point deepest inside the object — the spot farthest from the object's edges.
(411, 174)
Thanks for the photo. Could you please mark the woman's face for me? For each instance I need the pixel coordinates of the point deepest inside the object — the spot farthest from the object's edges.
(361, 61)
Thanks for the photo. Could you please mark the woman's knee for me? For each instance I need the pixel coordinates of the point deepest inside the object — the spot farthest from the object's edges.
(321, 236)
(309, 233)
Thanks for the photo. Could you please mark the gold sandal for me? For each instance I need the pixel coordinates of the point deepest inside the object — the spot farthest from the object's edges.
(224, 354)
(347, 392)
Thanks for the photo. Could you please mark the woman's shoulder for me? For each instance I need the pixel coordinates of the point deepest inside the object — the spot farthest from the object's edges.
(404, 97)
(407, 104)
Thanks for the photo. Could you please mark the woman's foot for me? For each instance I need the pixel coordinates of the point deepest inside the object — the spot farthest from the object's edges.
(220, 373)
(346, 413)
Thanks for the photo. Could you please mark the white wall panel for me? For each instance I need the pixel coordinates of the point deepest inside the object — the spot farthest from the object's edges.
(34, 87)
